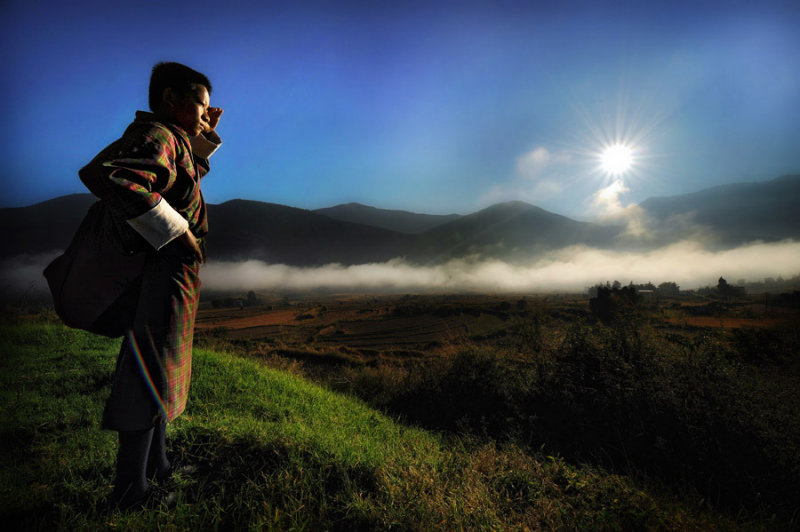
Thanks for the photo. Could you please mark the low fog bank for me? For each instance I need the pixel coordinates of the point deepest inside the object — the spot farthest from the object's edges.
(21, 277)
(570, 269)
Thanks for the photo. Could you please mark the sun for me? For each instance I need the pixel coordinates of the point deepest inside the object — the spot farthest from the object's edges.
(616, 159)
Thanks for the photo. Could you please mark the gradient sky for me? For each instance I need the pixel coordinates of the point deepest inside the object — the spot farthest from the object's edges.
(428, 107)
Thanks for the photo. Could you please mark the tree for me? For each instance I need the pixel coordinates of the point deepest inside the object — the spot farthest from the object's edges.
(669, 288)
(614, 302)
(726, 290)
(252, 299)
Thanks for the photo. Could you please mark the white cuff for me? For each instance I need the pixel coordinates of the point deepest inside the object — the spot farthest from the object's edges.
(160, 225)
(203, 146)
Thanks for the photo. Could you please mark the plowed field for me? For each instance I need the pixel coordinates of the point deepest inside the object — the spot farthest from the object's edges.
(425, 324)
(363, 323)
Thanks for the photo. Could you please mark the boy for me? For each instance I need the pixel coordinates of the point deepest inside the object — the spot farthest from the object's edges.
(149, 180)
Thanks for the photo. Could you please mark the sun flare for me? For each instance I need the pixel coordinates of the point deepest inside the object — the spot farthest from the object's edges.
(616, 159)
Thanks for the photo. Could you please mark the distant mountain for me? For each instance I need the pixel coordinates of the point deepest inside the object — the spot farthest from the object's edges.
(275, 233)
(242, 229)
(393, 220)
(513, 230)
(737, 213)
(43, 227)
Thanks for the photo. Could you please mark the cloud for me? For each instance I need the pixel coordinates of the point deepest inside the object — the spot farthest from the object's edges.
(568, 270)
(572, 269)
(538, 176)
(641, 227)
(607, 200)
(21, 276)
(532, 163)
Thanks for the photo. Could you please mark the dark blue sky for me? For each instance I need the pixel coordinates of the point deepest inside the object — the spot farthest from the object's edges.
(429, 107)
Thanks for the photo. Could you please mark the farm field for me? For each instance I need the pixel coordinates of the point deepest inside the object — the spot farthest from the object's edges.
(380, 323)
(433, 324)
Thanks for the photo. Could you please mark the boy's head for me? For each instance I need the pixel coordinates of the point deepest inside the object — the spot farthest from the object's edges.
(180, 95)
(177, 77)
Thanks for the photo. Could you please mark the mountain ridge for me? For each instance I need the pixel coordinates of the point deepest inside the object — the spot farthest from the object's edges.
(400, 221)
(737, 212)
(249, 229)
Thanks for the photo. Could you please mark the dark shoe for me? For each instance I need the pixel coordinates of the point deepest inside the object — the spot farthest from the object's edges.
(163, 499)
(151, 499)
(128, 501)
(175, 467)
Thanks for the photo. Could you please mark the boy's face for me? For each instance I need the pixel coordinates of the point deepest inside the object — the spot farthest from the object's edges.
(191, 110)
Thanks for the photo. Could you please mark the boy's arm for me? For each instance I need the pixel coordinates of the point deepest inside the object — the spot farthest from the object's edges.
(203, 146)
(206, 143)
(128, 174)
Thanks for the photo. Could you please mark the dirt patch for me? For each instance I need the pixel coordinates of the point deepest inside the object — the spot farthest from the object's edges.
(727, 322)
(229, 320)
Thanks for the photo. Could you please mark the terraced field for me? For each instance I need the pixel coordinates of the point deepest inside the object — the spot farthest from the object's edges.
(440, 324)
(361, 323)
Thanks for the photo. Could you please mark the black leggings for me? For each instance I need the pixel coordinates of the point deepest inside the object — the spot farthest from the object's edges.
(141, 453)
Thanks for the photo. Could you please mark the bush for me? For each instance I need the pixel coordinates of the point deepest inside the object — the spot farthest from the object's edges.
(624, 398)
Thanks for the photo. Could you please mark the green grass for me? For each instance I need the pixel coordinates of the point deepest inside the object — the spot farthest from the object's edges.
(276, 452)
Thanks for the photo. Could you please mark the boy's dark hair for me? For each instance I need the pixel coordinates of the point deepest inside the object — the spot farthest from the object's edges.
(174, 76)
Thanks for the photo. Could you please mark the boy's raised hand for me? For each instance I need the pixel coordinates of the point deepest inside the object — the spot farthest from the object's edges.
(214, 114)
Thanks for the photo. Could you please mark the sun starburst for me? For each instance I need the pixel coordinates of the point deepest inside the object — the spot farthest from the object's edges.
(616, 159)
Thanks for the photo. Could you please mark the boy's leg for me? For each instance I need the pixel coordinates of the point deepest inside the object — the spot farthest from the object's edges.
(131, 486)
(158, 463)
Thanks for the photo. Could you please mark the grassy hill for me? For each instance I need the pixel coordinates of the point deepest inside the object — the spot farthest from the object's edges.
(276, 452)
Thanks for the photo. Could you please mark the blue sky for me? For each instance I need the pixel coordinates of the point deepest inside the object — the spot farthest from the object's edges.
(429, 107)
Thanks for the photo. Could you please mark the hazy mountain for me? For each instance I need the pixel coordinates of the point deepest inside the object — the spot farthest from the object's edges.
(393, 220)
(737, 213)
(43, 227)
(242, 229)
(280, 234)
(511, 230)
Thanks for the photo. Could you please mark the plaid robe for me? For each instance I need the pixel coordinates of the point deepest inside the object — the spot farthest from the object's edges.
(151, 162)
(153, 371)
